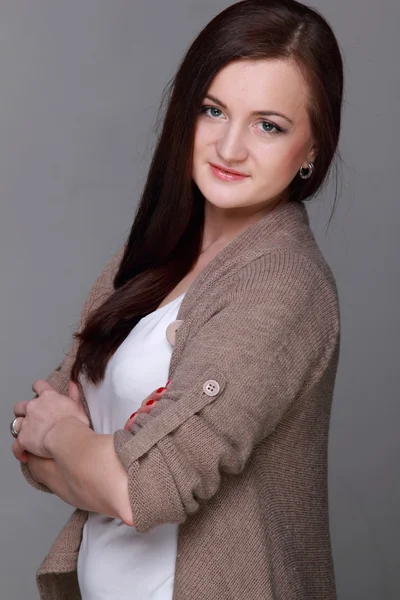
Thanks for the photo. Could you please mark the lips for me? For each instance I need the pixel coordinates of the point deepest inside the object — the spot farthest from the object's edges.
(226, 176)
(228, 171)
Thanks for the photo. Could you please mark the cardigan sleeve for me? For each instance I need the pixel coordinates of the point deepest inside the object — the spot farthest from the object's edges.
(237, 377)
(59, 378)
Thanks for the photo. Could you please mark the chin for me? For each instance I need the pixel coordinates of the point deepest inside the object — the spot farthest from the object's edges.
(221, 194)
(228, 201)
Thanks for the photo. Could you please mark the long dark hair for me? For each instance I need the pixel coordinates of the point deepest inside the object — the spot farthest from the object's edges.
(166, 236)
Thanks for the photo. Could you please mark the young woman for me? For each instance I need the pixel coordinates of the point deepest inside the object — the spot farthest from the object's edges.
(217, 489)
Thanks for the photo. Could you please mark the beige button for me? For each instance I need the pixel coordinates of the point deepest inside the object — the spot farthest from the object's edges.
(171, 330)
(211, 387)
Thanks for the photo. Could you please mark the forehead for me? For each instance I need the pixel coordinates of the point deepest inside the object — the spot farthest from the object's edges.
(249, 85)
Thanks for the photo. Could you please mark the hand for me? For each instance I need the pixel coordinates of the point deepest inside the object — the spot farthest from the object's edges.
(147, 405)
(42, 413)
(41, 469)
(18, 451)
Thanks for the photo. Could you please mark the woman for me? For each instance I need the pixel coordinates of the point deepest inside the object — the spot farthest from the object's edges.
(218, 488)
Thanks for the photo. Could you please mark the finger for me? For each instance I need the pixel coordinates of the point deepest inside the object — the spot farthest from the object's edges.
(40, 386)
(20, 408)
(147, 404)
(147, 408)
(19, 452)
(73, 392)
(148, 398)
(156, 395)
(18, 424)
(143, 409)
(150, 404)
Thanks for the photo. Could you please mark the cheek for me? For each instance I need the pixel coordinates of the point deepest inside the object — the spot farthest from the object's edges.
(204, 136)
(281, 159)
(295, 156)
(202, 153)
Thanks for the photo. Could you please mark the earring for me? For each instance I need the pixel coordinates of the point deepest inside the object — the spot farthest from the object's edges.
(308, 172)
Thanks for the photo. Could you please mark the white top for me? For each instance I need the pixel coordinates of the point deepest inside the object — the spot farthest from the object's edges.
(116, 562)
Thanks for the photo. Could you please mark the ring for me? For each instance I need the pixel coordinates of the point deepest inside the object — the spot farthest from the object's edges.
(14, 432)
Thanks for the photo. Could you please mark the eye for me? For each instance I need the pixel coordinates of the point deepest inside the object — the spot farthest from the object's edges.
(211, 111)
(271, 127)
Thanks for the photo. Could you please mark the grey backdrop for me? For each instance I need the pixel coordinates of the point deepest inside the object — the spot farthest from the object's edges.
(81, 82)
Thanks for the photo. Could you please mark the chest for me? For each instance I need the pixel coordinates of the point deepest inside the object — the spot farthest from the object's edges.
(138, 366)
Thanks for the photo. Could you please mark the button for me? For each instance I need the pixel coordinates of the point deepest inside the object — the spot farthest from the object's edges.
(171, 330)
(211, 387)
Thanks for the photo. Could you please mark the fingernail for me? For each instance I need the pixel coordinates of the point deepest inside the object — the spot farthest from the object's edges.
(132, 415)
(150, 402)
(161, 389)
(168, 382)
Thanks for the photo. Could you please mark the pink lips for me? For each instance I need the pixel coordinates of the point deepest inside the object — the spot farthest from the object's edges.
(226, 175)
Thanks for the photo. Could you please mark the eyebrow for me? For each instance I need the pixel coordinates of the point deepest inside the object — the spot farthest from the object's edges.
(255, 113)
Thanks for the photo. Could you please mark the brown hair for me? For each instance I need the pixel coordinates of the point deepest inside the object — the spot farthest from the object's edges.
(166, 236)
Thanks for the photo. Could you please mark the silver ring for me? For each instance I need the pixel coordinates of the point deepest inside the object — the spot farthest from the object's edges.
(14, 431)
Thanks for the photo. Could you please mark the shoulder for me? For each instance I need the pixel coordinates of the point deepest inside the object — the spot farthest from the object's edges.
(292, 286)
(284, 236)
(287, 248)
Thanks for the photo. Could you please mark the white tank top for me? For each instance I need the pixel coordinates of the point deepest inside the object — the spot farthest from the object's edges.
(116, 562)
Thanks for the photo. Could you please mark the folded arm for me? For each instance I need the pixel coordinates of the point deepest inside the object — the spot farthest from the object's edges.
(237, 378)
(85, 471)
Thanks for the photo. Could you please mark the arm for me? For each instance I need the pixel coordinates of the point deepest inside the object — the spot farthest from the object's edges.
(70, 459)
(276, 336)
(46, 472)
(85, 471)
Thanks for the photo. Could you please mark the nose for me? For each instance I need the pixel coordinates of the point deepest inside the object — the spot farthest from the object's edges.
(231, 146)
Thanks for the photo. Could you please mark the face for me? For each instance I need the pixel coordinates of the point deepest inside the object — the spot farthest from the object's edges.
(253, 120)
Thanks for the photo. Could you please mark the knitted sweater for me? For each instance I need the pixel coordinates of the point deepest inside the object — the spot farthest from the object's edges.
(235, 452)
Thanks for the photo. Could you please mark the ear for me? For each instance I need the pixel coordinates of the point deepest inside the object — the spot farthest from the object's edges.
(312, 153)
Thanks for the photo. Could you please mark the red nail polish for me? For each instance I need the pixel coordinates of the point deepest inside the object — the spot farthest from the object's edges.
(150, 402)
(161, 389)
(132, 415)
(168, 382)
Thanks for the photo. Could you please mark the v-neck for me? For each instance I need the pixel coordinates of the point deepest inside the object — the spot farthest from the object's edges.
(278, 217)
(160, 309)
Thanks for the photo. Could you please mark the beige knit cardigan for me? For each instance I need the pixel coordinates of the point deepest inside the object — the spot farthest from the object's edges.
(239, 463)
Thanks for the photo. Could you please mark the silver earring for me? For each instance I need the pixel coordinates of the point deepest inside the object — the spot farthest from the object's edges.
(306, 173)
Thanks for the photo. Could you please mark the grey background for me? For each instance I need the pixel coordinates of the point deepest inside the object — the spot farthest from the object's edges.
(81, 82)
